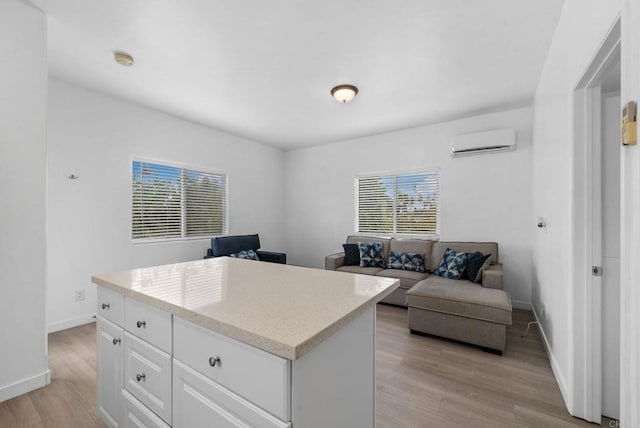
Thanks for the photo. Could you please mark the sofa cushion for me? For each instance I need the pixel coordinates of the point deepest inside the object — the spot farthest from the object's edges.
(419, 246)
(452, 265)
(477, 262)
(461, 298)
(351, 254)
(406, 261)
(468, 247)
(407, 278)
(360, 270)
(354, 239)
(371, 254)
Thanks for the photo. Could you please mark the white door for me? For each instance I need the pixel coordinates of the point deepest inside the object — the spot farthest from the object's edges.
(611, 256)
(109, 371)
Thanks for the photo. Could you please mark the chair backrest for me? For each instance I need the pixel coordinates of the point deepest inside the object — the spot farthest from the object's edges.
(226, 245)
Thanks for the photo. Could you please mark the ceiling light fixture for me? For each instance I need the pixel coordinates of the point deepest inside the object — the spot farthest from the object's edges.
(344, 93)
(123, 58)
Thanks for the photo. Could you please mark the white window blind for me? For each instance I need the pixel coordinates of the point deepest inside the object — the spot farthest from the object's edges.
(174, 202)
(399, 204)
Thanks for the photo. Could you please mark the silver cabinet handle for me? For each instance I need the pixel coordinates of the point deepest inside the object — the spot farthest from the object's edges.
(105, 306)
(116, 341)
(140, 377)
(141, 324)
(214, 360)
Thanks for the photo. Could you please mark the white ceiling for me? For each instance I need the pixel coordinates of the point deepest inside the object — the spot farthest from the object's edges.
(264, 69)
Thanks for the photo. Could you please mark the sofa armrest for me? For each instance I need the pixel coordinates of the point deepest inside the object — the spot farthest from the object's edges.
(492, 276)
(272, 257)
(334, 261)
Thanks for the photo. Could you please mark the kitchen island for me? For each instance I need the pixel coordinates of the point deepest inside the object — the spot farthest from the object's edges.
(234, 343)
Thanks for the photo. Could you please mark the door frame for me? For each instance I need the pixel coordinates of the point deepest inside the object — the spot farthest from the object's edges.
(586, 312)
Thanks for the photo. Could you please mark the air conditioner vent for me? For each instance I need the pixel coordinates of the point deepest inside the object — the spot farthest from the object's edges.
(499, 140)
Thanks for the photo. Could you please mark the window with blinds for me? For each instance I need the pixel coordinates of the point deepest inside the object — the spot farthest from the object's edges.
(174, 202)
(399, 204)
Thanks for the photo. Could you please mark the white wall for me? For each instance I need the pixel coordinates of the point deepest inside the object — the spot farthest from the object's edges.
(23, 73)
(630, 228)
(582, 27)
(484, 198)
(89, 219)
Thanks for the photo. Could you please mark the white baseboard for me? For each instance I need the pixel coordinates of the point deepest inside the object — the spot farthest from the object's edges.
(25, 385)
(70, 323)
(554, 364)
(521, 305)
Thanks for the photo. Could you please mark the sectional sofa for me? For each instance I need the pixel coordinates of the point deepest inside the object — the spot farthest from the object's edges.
(458, 309)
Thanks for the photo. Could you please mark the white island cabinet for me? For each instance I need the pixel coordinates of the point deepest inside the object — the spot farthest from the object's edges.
(235, 343)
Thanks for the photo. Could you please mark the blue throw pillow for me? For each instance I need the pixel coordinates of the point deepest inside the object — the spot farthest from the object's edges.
(452, 264)
(351, 254)
(477, 263)
(371, 254)
(406, 261)
(247, 254)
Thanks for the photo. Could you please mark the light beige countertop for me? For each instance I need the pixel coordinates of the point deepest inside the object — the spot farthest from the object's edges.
(282, 309)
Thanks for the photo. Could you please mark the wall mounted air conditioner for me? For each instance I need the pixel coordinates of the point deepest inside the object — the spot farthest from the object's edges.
(498, 140)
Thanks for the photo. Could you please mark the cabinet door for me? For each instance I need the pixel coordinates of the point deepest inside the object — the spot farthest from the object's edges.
(109, 371)
(199, 402)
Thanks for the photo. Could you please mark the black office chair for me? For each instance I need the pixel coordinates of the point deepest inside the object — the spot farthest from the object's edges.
(227, 245)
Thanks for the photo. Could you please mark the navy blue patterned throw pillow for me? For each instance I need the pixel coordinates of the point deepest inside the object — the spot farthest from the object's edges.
(406, 261)
(247, 254)
(477, 262)
(452, 264)
(351, 254)
(371, 254)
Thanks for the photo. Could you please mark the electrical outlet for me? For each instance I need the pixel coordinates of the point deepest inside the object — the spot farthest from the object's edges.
(79, 295)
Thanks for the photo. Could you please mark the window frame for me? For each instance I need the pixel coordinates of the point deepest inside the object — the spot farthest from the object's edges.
(396, 174)
(182, 167)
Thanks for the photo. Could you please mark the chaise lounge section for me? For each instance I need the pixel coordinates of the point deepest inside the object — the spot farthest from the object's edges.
(462, 310)
(458, 309)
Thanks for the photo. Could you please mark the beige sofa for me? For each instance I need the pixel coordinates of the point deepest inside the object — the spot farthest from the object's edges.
(407, 278)
(456, 309)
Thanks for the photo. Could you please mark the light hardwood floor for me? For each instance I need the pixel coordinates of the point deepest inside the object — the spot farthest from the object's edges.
(433, 382)
(421, 382)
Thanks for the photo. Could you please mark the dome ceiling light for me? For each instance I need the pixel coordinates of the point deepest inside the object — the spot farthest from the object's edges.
(123, 58)
(344, 93)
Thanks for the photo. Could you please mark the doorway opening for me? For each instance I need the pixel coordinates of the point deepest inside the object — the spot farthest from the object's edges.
(596, 235)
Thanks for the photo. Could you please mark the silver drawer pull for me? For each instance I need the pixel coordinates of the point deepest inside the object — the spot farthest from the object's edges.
(214, 360)
(141, 324)
(105, 306)
(116, 341)
(140, 377)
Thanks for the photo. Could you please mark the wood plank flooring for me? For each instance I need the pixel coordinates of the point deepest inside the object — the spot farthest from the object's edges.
(433, 382)
(69, 401)
(421, 382)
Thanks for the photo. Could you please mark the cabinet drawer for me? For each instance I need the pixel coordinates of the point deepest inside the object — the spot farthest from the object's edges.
(111, 305)
(258, 376)
(147, 375)
(200, 402)
(136, 415)
(148, 323)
